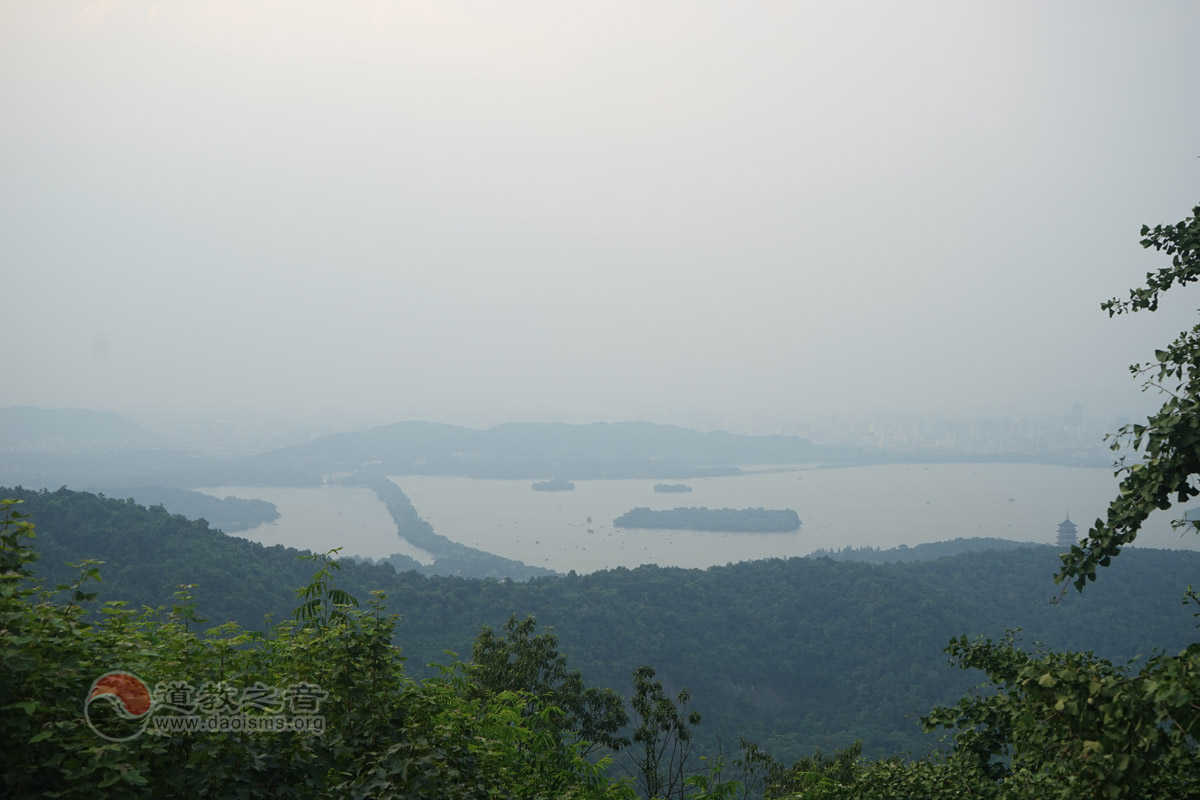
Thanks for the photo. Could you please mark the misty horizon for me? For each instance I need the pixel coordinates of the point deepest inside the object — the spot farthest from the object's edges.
(740, 218)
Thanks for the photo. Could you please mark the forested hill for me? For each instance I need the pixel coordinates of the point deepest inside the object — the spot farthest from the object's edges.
(514, 450)
(791, 653)
(230, 514)
(921, 552)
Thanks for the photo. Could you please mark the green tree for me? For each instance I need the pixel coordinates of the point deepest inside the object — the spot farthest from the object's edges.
(1069, 724)
(1169, 441)
(520, 661)
(1072, 725)
(383, 734)
(664, 732)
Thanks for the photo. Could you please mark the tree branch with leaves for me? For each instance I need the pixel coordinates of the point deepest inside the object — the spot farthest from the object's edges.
(1169, 441)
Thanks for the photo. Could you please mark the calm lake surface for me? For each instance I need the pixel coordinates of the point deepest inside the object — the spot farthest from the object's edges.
(322, 518)
(880, 506)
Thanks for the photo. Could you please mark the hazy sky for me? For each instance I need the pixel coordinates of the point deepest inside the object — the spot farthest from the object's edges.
(678, 211)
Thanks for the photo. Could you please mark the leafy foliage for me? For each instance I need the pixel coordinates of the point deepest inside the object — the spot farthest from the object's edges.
(1170, 439)
(524, 662)
(663, 736)
(794, 654)
(1069, 724)
(323, 604)
(1072, 725)
(386, 736)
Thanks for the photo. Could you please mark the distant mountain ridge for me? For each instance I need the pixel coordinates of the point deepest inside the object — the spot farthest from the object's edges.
(533, 450)
(82, 448)
(69, 429)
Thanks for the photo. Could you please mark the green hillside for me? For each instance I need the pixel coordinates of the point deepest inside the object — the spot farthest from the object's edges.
(794, 654)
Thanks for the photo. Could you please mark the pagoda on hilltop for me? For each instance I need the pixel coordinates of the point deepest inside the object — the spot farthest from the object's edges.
(1066, 533)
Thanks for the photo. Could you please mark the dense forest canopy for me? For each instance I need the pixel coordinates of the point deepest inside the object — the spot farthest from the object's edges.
(811, 652)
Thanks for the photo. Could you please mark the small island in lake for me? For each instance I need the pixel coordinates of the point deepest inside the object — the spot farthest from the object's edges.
(671, 487)
(556, 485)
(743, 520)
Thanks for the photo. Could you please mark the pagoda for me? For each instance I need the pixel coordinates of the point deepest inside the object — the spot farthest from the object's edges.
(1066, 533)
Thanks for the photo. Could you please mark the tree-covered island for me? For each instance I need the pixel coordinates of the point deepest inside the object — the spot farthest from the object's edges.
(555, 485)
(672, 487)
(740, 520)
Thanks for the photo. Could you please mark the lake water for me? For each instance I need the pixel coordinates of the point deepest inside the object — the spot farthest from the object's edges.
(321, 518)
(880, 506)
